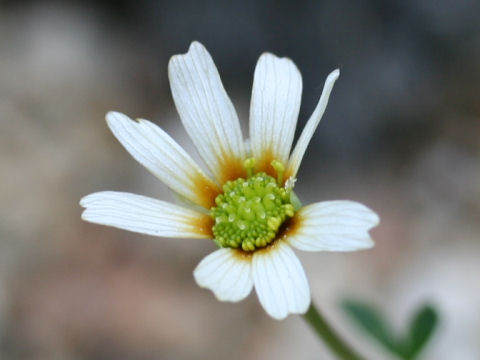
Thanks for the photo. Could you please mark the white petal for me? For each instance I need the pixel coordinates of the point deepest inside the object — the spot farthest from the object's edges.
(227, 272)
(144, 215)
(311, 126)
(206, 110)
(276, 97)
(333, 226)
(161, 155)
(280, 281)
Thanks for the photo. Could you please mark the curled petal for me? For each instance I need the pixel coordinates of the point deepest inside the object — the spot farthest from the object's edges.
(312, 123)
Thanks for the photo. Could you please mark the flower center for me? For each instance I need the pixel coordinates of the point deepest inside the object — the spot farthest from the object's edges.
(250, 211)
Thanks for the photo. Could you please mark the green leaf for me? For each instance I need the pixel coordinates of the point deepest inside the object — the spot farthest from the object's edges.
(421, 329)
(372, 321)
(407, 347)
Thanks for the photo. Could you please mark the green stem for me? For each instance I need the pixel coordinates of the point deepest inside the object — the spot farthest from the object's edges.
(329, 336)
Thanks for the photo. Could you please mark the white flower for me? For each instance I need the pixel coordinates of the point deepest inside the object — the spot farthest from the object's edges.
(250, 210)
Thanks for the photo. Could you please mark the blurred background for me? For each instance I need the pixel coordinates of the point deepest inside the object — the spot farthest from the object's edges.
(401, 134)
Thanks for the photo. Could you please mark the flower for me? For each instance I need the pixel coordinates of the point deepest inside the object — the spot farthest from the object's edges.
(247, 204)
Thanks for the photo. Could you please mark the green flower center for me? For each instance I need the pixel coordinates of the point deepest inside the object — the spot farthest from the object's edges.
(250, 211)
